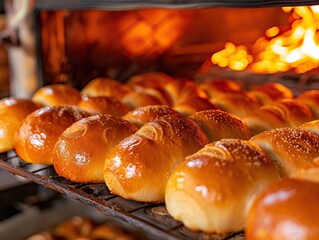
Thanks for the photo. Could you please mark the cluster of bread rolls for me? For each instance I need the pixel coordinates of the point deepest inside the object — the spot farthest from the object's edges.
(260, 185)
(208, 150)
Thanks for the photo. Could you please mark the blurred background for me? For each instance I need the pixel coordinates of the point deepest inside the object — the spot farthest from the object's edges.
(4, 70)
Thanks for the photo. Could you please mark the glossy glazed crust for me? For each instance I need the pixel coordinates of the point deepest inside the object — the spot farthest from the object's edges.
(57, 95)
(142, 115)
(239, 103)
(12, 113)
(103, 105)
(139, 166)
(212, 189)
(182, 90)
(150, 80)
(312, 126)
(221, 125)
(194, 104)
(138, 99)
(291, 148)
(41, 129)
(80, 152)
(271, 92)
(278, 114)
(105, 87)
(221, 86)
(287, 210)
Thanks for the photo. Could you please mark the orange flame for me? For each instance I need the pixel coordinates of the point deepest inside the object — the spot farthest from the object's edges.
(295, 49)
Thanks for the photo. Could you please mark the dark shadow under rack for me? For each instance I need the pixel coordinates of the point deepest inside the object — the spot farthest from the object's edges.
(151, 217)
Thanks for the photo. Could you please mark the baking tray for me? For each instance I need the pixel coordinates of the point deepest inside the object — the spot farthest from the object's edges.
(151, 217)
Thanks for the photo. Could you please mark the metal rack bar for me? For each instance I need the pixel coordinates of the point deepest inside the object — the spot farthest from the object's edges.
(98, 196)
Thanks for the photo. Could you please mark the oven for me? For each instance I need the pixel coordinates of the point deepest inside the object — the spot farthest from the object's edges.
(75, 41)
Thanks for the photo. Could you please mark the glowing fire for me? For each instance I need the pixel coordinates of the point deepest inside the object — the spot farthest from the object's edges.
(295, 49)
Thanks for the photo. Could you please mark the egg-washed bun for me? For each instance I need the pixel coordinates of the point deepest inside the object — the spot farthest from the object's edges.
(103, 105)
(12, 112)
(57, 95)
(149, 80)
(194, 104)
(238, 103)
(292, 149)
(278, 114)
(106, 87)
(142, 115)
(269, 92)
(181, 90)
(140, 165)
(138, 99)
(40, 130)
(216, 87)
(80, 151)
(219, 125)
(212, 190)
(287, 210)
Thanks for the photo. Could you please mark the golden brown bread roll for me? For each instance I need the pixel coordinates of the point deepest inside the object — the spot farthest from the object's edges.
(75, 158)
(292, 149)
(181, 90)
(278, 114)
(105, 87)
(40, 130)
(150, 80)
(138, 99)
(103, 105)
(139, 166)
(219, 86)
(312, 126)
(143, 115)
(311, 99)
(194, 104)
(287, 210)
(212, 189)
(270, 92)
(57, 95)
(220, 125)
(12, 112)
(238, 103)
(157, 92)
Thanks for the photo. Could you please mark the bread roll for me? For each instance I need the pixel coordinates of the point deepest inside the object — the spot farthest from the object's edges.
(137, 99)
(216, 87)
(75, 158)
(41, 129)
(238, 103)
(309, 174)
(269, 92)
(220, 125)
(12, 112)
(291, 148)
(139, 166)
(157, 92)
(142, 115)
(57, 95)
(311, 99)
(103, 105)
(150, 80)
(194, 104)
(106, 87)
(212, 189)
(287, 210)
(312, 126)
(182, 90)
(278, 114)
